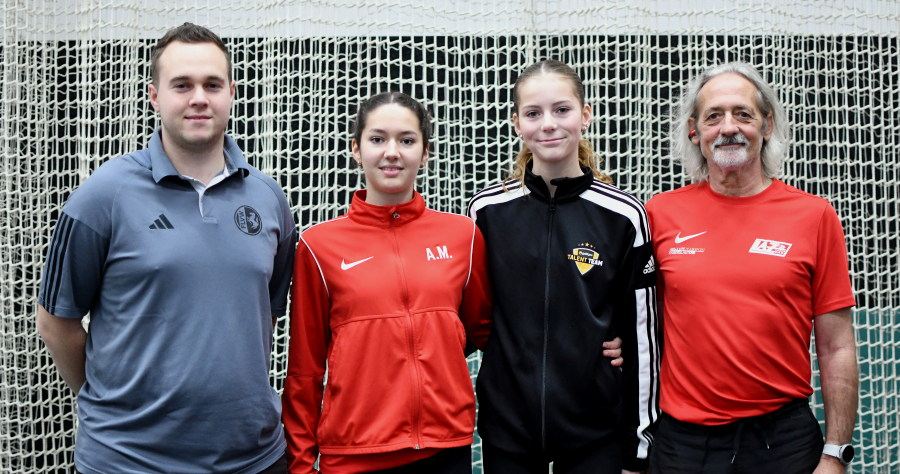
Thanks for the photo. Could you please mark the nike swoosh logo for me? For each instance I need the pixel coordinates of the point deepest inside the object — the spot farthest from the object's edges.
(679, 239)
(347, 266)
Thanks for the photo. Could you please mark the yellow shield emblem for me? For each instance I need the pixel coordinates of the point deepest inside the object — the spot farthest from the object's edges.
(585, 259)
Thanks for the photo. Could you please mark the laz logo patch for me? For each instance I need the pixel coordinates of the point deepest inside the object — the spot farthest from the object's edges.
(585, 258)
(770, 247)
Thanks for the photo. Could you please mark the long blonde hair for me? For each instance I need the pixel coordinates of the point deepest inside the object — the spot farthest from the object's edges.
(586, 155)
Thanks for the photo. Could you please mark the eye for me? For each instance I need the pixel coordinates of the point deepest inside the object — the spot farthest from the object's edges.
(713, 117)
(408, 141)
(531, 113)
(563, 110)
(376, 139)
(180, 86)
(214, 85)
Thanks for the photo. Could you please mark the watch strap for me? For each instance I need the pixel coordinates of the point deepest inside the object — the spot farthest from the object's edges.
(836, 451)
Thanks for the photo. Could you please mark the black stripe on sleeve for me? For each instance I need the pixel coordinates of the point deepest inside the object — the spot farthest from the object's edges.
(621, 196)
(56, 261)
(493, 190)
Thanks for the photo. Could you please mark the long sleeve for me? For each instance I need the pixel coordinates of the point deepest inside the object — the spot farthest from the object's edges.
(640, 329)
(310, 338)
(475, 311)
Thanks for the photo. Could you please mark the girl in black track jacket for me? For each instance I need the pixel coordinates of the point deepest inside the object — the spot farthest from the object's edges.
(571, 264)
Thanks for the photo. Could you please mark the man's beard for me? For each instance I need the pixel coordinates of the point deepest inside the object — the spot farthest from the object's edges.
(731, 158)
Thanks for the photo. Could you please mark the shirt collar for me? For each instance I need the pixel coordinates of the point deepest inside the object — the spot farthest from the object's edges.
(385, 216)
(162, 166)
(566, 188)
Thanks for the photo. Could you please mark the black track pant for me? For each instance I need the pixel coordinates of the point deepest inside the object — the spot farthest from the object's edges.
(605, 458)
(786, 441)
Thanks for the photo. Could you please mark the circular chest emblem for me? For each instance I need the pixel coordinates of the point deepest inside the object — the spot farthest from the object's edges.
(247, 219)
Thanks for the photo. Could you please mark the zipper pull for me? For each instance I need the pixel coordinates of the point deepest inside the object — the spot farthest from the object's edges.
(552, 204)
(417, 446)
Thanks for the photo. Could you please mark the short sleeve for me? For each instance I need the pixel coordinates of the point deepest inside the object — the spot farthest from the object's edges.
(73, 269)
(831, 287)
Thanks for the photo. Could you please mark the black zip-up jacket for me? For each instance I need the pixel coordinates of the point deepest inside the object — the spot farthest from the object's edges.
(569, 272)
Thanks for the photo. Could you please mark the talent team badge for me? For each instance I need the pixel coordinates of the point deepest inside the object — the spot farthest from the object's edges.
(585, 258)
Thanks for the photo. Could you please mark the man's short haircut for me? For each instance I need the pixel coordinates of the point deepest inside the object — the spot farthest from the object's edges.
(773, 152)
(186, 33)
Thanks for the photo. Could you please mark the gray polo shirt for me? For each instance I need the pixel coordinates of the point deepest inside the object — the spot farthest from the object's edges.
(181, 308)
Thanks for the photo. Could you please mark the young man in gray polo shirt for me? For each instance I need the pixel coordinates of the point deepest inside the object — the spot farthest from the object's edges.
(182, 253)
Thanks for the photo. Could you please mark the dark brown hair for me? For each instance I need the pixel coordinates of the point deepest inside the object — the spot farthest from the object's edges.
(586, 156)
(186, 33)
(392, 97)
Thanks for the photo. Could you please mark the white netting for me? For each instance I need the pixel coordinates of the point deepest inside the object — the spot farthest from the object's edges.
(73, 94)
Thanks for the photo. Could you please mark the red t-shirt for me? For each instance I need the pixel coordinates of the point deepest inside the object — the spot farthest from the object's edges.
(742, 280)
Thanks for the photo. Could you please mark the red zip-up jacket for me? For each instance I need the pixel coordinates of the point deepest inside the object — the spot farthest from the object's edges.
(388, 295)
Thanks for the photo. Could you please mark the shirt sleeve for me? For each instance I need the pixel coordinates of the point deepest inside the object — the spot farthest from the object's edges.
(475, 311)
(639, 329)
(280, 283)
(831, 287)
(310, 338)
(73, 269)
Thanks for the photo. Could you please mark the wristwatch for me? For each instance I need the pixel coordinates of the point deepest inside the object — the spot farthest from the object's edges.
(843, 452)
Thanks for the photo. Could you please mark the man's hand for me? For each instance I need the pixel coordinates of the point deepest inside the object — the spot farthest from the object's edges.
(65, 339)
(645, 471)
(829, 465)
(613, 350)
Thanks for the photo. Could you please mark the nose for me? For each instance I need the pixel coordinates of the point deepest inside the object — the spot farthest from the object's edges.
(548, 124)
(198, 98)
(729, 125)
(393, 150)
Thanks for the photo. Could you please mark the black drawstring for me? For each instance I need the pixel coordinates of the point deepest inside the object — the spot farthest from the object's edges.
(737, 437)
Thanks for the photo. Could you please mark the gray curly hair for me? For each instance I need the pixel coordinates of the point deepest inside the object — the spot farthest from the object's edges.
(773, 152)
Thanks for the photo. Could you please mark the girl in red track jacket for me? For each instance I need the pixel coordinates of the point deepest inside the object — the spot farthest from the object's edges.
(386, 298)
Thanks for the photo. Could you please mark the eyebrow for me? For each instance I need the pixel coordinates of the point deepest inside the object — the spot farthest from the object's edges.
(405, 132)
(737, 107)
(189, 78)
(559, 102)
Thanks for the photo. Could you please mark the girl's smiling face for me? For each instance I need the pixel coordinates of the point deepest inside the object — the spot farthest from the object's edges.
(391, 150)
(550, 118)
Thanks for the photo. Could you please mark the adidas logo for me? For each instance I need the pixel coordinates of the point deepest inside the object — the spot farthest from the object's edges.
(161, 223)
(650, 267)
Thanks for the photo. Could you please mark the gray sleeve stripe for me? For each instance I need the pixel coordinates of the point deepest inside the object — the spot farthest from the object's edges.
(55, 261)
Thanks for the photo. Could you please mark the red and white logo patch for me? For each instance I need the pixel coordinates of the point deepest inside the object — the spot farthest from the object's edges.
(770, 247)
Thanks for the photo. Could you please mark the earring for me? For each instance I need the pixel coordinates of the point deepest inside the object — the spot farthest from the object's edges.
(584, 129)
(422, 165)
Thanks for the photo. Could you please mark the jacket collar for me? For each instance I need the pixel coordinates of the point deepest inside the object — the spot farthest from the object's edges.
(385, 216)
(567, 189)
(162, 166)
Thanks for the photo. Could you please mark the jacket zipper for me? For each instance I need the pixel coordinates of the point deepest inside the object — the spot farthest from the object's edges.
(410, 333)
(546, 331)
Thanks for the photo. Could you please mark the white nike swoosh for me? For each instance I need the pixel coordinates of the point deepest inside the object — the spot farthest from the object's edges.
(679, 239)
(347, 266)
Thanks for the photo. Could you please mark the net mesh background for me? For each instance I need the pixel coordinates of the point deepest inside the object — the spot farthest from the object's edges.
(73, 78)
